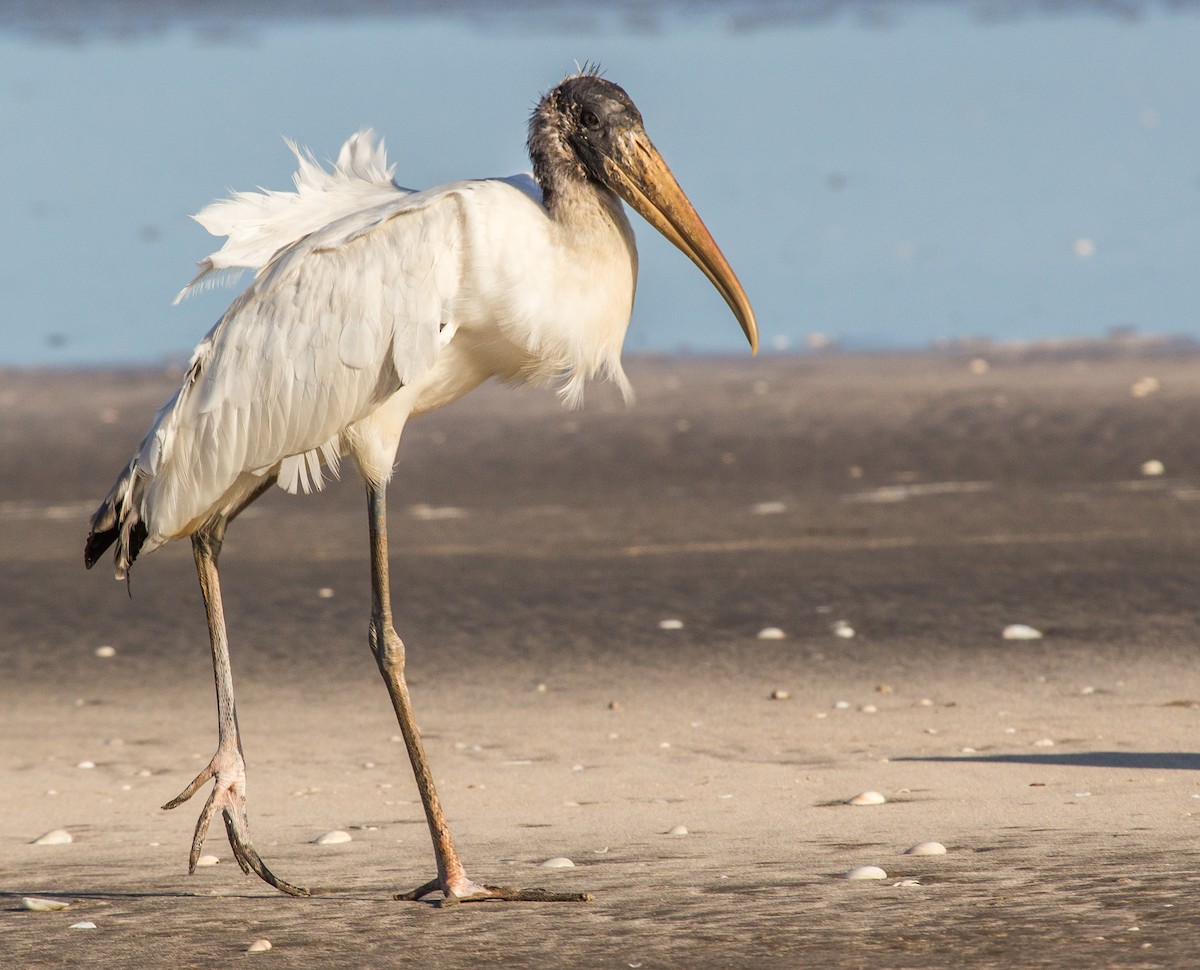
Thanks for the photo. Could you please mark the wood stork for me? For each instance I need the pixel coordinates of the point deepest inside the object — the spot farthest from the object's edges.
(371, 304)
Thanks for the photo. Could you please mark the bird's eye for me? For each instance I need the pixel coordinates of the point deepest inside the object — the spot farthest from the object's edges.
(587, 118)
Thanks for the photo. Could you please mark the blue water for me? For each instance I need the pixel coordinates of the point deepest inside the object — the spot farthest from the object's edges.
(887, 182)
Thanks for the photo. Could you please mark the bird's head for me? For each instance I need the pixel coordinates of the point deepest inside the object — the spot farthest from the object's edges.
(590, 127)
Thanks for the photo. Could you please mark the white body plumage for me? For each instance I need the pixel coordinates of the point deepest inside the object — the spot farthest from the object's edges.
(372, 303)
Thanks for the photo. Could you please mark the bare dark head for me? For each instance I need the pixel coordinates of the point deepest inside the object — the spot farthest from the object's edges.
(589, 115)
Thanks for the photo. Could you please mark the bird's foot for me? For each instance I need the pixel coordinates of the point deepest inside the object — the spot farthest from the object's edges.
(470, 892)
(228, 771)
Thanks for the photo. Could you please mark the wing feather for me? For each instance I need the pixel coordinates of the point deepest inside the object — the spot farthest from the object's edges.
(333, 325)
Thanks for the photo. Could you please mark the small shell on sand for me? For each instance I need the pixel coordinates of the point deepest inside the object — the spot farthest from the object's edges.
(86, 764)
(842, 629)
(779, 695)
(336, 837)
(1153, 468)
(670, 624)
(259, 946)
(558, 862)
(83, 924)
(771, 633)
(325, 593)
(866, 872)
(208, 860)
(39, 905)
(106, 651)
(678, 830)
(926, 848)
(54, 837)
(1019, 631)
(867, 798)
(1043, 743)
(768, 508)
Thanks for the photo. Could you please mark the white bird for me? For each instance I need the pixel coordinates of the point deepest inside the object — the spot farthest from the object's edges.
(371, 304)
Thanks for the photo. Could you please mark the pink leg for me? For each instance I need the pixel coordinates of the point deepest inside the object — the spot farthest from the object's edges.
(227, 767)
(388, 649)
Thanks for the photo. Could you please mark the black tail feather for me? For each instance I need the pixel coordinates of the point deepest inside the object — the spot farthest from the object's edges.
(119, 520)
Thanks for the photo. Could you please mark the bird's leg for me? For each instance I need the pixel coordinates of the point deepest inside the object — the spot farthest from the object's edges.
(388, 649)
(227, 767)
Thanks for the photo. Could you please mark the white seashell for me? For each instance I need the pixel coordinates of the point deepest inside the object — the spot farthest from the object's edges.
(54, 837)
(841, 705)
(83, 924)
(768, 508)
(336, 837)
(208, 860)
(678, 830)
(869, 709)
(106, 651)
(926, 848)
(39, 905)
(1145, 387)
(866, 872)
(1019, 631)
(842, 629)
(1043, 743)
(867, 798)
(86, 764)
(1153, 467)
(771, 633)
(670, 624)
(259, 946)
(325, 593)
(780, 695)
(558, 862)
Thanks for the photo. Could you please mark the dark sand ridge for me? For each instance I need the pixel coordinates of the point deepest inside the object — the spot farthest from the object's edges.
(979, 500)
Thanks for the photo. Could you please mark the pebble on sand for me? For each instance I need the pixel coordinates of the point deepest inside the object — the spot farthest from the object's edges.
(768, 508)
(771, 633)
(208, 860)
(780, 695)
(259, 946)
(670, 624)
(842, 629)
(336, 837)
(558, 862)
(37, 904)
(866, 872)
(1020, 631)
(54, 837)
(1145, 387)
(106, 651)
(83, 924)
(678, 830)
(86, 764)
(1153, 467)
(926, 848)
(867, 798)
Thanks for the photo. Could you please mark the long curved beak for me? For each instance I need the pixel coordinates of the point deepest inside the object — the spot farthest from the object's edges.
(642, 178)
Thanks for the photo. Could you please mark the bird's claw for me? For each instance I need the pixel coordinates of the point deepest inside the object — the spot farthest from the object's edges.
(492, 894)
(227, 796)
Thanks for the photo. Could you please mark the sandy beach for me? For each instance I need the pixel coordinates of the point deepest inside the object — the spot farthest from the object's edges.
(891, 515)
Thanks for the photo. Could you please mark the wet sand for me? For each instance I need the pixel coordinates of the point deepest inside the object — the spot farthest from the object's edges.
(535, 552)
